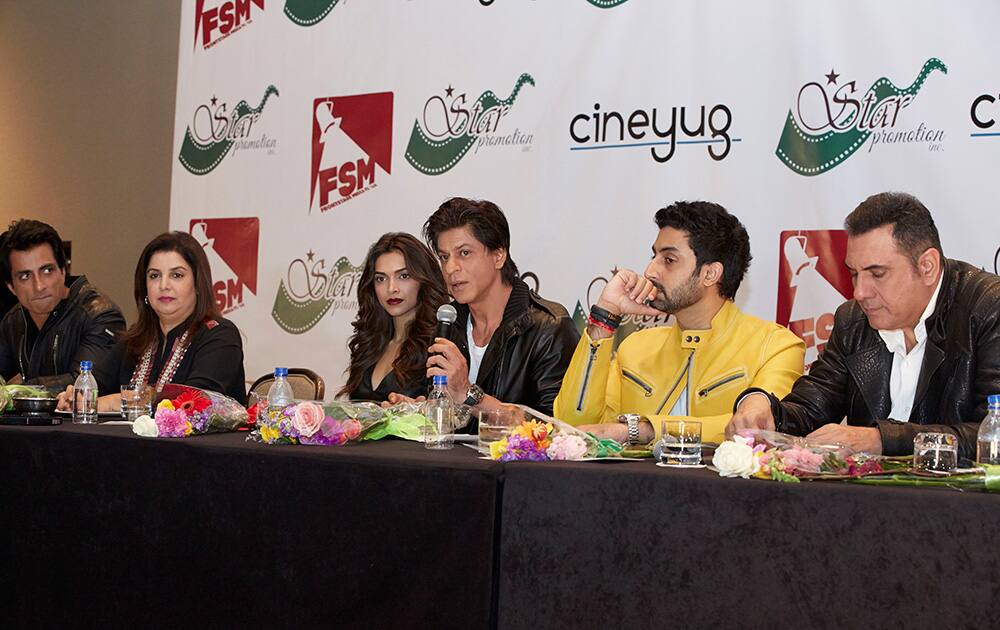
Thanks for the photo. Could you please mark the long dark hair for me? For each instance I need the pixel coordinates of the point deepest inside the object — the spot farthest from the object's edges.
(146, 331)
(373, 328)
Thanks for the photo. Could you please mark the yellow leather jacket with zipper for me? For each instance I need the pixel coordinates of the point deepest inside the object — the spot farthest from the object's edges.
(652, 368)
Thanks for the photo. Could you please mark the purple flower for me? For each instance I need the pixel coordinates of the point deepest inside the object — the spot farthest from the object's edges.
(523, 449)
(172, 423)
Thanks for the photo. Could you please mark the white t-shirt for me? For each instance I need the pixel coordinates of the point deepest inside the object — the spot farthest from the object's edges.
(475, 353)
(906, 366)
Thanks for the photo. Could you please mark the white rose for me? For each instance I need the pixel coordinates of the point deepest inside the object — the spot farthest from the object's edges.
(145, 426)
(735, 459)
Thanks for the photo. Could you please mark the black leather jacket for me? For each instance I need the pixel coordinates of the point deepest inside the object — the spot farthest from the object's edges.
(84, 326)
(529, 352)
(961, 367)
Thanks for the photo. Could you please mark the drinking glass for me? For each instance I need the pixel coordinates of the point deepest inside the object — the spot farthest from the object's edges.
(681, 443)
(136, 402)
(495, 425)
(935, 451)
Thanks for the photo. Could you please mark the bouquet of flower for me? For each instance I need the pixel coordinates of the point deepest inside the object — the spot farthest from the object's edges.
(183, 411)
(781, 457)
(548, 440)
(316, 423)
(403, 420)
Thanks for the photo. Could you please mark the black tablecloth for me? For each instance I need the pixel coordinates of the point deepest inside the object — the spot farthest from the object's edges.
(104, 528)
(634, 545)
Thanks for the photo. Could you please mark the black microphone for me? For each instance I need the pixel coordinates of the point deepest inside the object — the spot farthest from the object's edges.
(446, 316)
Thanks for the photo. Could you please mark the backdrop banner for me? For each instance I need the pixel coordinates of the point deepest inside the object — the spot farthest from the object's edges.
(305, 129)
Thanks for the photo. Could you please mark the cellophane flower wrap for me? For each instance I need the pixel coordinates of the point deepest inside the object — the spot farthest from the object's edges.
(317, 423)
(539, 438)
(783, 457)
(183, 411)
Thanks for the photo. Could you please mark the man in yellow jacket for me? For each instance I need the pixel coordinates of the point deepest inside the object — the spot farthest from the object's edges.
(693, 369)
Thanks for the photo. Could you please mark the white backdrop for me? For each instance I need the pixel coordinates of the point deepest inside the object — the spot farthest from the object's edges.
(578, 204)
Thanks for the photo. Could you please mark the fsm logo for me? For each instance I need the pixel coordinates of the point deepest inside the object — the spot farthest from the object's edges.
(311, 288)
(832, 119)
(215, 130)
(450, 125)
(351, 135)
(812, 282)
(308, 12)
(231, 248)
(661, 132)
(216, 23)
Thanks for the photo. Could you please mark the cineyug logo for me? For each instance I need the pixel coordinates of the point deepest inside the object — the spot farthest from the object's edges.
(216, 130)
(311, 288)
(832, 119)
(450, 124)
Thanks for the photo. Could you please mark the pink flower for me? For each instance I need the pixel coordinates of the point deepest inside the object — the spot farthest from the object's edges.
(172, 423)
(333, 431)
(351, 428)
(308, 418)
(567, 447)
(800, 460)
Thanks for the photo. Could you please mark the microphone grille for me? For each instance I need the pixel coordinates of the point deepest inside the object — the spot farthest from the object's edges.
(447, 313)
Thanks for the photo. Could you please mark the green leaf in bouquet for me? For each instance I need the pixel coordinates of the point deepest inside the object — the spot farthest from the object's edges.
(604, 447)
(407, 427)
(339, 411)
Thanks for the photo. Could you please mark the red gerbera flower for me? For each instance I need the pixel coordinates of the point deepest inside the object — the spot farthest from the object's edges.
(191, 401)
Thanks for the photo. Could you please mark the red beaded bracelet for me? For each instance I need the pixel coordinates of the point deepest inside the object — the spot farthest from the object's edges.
(600, 324)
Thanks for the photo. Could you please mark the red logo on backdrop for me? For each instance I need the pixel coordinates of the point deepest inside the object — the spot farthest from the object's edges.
(350, 136)
(231, 247)
(217, 23)
(812, 283)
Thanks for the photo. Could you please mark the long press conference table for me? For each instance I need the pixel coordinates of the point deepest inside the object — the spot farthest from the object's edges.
(102, 528)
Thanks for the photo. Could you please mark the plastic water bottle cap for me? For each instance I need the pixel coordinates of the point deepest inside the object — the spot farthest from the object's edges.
(86, 365)
(993, 400)
(280, 371)
(440, 380)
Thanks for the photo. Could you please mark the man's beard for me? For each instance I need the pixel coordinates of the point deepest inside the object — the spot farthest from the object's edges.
(682, 297)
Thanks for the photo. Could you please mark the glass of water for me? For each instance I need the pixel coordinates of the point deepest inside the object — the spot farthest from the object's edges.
(136, 402)
(681, 443)
(495, 425)
(935, 451)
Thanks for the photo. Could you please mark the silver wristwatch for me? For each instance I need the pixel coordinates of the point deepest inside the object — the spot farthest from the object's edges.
(474, 395)
(631, 421)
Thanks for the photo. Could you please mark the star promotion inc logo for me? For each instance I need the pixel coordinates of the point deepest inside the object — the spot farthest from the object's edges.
(215, 131)
(311, 289)
(450, 126)
(832, 119)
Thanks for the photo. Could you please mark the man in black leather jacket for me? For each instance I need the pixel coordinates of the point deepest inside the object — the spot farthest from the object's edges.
(917, 349)
(510, 345)
(59, 320)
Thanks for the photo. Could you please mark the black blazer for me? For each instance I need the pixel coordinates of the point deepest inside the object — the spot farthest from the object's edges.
(213, 360)
(529, 352)
(961, 367)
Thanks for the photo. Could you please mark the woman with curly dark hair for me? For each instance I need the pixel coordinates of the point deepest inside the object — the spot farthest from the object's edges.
(400, 289)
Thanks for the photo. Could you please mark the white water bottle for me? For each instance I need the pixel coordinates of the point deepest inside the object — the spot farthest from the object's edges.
(440, 413)
(280, 394)
(85, 396)
(988, 442)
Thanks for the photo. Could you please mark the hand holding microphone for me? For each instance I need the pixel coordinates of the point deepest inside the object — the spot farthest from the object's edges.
(445, 357)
